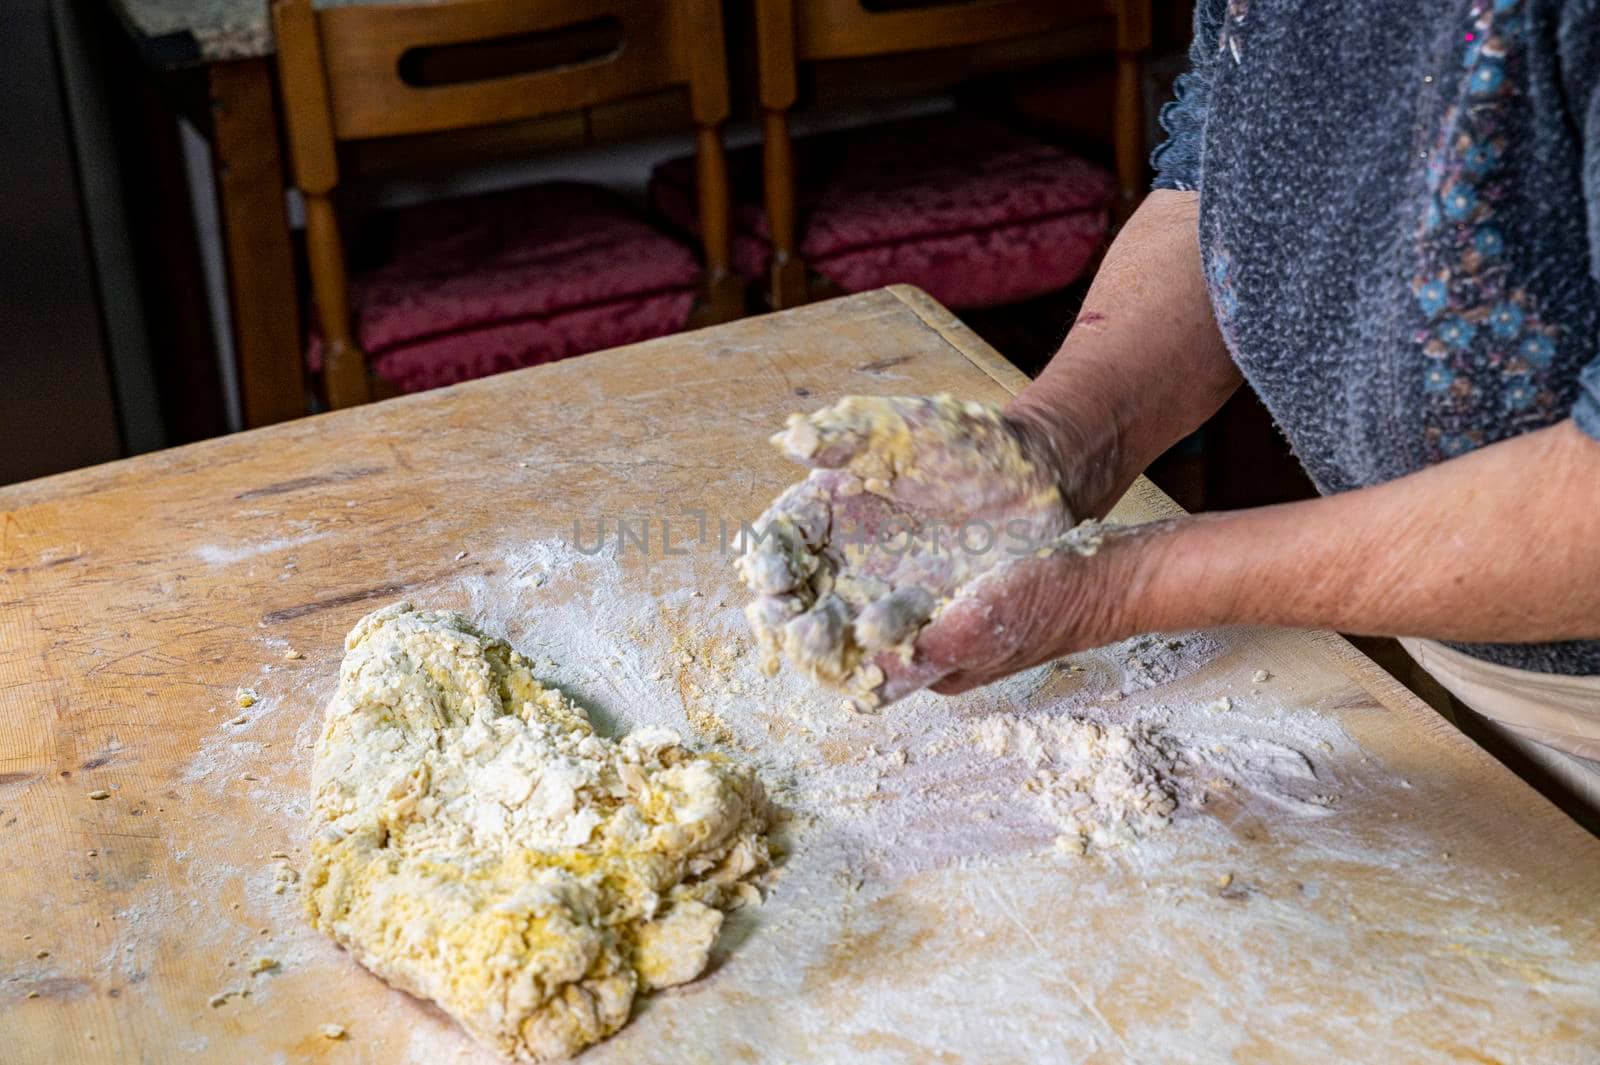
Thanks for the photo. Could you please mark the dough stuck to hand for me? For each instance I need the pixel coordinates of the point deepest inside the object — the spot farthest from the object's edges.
(476, 844)
(851, 563)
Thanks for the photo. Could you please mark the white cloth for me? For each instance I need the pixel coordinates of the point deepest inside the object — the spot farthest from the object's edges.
(1551, 719)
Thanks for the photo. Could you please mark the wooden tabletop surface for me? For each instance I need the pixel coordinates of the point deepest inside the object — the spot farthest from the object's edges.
(1440, 910)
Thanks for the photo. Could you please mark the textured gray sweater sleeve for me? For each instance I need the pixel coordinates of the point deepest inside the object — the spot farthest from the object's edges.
(1177, 160)
(1580, 60)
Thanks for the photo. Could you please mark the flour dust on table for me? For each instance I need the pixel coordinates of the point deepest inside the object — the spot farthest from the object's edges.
(477, 844)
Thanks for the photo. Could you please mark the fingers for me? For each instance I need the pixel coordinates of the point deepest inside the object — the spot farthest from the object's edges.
(959, 683)
(785, 541)
(816, 639)
(1025, 612)
(902, 678)
(963, 636)
(995, 626)
(888, 620)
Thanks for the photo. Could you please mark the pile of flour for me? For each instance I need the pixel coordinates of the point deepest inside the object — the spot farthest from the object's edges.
(1102, 785)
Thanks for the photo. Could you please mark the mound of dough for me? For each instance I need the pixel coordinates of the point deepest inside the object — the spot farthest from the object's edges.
(475, 843)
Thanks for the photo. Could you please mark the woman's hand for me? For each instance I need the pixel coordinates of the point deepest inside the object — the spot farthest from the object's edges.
(1028, 611)
(910, 502)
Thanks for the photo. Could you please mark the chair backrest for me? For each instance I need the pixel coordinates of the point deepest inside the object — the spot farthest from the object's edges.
(852, 29)
(363, 72)
(373, 59)
(792, 32)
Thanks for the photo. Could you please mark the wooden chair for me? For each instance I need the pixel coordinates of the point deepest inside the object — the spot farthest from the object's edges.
(792, 32)
(350, 74)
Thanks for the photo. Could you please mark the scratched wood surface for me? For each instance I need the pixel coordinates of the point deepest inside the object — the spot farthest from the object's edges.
(1455, 920)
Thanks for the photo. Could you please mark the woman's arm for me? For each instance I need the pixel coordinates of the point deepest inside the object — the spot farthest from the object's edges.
(1143, 365)
(1500, 545)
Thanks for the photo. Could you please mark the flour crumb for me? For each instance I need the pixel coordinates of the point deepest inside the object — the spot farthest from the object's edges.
(1221, 706)
(1260, 676)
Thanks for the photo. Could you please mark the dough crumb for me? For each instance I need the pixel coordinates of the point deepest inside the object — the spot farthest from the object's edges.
(263, 965)
(283, 876)
(246, 698)
(1260, 676)
(331, 1031)
(292, 655)
(100, 793)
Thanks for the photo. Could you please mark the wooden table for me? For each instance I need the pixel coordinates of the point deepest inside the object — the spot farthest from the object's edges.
(1439, 911)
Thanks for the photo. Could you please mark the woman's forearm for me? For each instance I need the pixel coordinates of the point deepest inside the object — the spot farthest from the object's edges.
(1143, 365)
(1500, 545)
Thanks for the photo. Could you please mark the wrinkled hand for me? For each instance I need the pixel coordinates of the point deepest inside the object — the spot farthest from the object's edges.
(1027, 611)
(915, 509)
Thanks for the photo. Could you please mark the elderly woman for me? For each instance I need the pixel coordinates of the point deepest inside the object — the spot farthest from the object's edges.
(1386, 218)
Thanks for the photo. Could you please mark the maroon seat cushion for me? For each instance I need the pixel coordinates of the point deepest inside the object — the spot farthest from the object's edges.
(481, 284)
(972, 211)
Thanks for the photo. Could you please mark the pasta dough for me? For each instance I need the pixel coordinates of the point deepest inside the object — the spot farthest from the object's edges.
(475, 843)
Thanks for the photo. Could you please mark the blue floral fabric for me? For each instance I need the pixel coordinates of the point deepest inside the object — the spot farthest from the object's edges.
(1401, 228)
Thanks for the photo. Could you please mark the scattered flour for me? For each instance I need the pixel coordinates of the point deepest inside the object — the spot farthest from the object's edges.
(228, 554)
(1096, 754)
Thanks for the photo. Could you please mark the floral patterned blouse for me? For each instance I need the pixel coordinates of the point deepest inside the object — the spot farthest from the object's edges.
(1400, 221)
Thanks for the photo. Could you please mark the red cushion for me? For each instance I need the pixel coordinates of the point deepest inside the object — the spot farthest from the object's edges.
(972, 211)
(481, 284)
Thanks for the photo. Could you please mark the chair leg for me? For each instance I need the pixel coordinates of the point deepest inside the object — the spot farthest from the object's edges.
(724, 293)
(344, 372)
(1129, 133)
(344, 365)
(788, 279)
(1133, 44)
